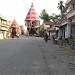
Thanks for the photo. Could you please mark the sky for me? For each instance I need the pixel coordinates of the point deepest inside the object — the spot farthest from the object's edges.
(18, 9)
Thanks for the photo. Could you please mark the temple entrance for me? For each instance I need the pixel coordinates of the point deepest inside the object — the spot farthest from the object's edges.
(32, 31)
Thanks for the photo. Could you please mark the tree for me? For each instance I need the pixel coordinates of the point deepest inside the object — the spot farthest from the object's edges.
(44, 15)
(65, 8)
(55, 18)
(61, 6)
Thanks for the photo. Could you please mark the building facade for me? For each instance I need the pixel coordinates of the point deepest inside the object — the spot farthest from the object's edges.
(4, 28)
(71, 16)
(67, 24)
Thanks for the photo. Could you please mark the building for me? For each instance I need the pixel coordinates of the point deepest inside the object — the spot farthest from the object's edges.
(32, 21)
(52, 29)
(4, 27)
(71, 16)
(64, 28)
(67, 24)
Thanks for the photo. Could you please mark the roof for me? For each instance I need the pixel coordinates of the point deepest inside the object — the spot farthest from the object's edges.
(22, 27)
(32, 14)
(14, 23)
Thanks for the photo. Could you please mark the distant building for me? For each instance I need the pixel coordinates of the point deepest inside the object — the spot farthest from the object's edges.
(4, 27)
(51, 28)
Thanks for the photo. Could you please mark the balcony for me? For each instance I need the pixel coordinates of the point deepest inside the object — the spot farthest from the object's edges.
(71, 14)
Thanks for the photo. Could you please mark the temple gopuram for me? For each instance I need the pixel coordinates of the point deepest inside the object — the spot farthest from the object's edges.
(32, 21)
(14, 29)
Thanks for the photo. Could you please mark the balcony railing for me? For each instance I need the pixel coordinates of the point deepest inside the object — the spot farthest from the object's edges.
(71, 13)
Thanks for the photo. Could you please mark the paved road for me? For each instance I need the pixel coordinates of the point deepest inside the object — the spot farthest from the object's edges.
(32, 56)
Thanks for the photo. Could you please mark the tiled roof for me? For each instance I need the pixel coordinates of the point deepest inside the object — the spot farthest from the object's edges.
(14, 23)
(32, 14)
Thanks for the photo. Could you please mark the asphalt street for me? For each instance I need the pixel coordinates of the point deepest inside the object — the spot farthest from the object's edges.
(33, 56)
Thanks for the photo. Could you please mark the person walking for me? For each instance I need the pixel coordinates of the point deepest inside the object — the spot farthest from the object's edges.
(46, 37)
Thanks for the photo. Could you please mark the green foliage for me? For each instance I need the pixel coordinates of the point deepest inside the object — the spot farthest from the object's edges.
(42, 28)
(63, 8)
(44, 15)
(41, 32)
(55, 18)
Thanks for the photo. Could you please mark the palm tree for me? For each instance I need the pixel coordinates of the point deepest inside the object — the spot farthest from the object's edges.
(61, 6)
(65, 8)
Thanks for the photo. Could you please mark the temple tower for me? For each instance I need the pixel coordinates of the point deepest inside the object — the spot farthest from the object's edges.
(14, 28)
(32, 20)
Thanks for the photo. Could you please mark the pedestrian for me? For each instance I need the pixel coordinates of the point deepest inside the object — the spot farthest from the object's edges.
(46, 37)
